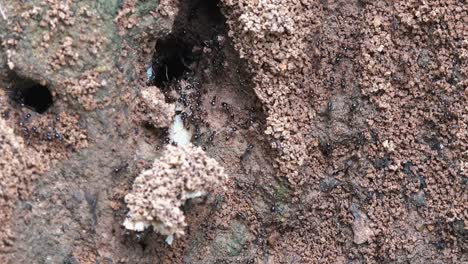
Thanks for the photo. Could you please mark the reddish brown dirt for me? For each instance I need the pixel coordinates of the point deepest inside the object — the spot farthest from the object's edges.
(343, 130)
(367, 107)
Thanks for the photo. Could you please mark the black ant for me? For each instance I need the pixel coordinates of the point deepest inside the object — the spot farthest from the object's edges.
(120, 168)
(327, 148)
(211, 137)
(247, 152)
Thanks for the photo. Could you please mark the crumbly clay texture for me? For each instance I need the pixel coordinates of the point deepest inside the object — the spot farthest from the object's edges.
(180, 174)
(371, 97)
(152, 109)
(17, 171)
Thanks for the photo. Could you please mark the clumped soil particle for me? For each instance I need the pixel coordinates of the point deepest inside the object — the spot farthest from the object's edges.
(343, 135)
(18, 168)
(149, 108)
(182, 173)
(366, 99)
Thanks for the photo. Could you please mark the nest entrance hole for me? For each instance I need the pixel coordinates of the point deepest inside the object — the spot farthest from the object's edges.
(32, 94)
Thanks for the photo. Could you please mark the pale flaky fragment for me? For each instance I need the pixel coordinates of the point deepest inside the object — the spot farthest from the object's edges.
(182, 173)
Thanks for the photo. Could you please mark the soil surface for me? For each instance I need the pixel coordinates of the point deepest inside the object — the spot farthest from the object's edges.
(342, 125)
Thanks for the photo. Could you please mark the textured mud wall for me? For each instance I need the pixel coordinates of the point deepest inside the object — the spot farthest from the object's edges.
(17, 169)
(83, 54)
(367, 111)
(342, 126)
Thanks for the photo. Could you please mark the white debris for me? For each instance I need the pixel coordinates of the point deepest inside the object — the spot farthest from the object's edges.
(169, 240)
(150, 73)
(138, 226)
(3, 14)
(178, 133)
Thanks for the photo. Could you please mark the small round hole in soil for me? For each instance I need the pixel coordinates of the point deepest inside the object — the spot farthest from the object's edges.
(37, 97)
(31, 94)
